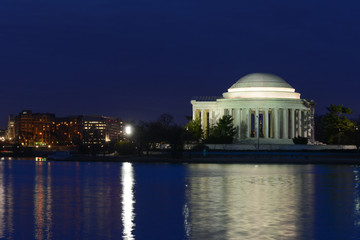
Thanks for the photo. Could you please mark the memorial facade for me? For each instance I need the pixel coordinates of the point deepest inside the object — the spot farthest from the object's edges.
(263, 106)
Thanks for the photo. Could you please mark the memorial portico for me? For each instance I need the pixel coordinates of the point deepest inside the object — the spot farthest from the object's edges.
(262, 106)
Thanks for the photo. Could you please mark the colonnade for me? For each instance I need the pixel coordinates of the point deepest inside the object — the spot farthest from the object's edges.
(267, 123)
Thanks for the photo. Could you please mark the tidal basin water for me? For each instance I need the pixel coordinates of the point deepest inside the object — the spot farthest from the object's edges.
(72, 200)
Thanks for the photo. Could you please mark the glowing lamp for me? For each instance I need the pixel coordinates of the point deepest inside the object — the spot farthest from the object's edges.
(128, 130)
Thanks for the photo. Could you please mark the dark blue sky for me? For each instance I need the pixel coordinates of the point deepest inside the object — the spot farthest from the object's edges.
(138, 59)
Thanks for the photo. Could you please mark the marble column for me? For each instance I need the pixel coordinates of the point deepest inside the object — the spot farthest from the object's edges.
(238, 123)
(257, 123)
(266, 119)
(202, 117)
(235, 116)
(312, 124)
(285, 123)
(306, 122)
(248, 117)
(225, 111)
(276, 123)
(309, 130)
(292, 119)
(300, 132)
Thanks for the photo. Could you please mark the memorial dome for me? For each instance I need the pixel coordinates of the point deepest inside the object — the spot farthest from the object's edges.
(261, 80)
(261, 85)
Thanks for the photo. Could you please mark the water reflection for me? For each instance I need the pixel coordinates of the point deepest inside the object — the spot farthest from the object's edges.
(357, 195)
(272, 202)
(247, 201)
(335, 215)
(67, 200)
(6, 202)
(42, 201)
(127, 180)
(2, 201)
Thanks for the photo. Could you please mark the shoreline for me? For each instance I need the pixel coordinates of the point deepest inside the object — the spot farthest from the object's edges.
(241, 158)
(220, 157)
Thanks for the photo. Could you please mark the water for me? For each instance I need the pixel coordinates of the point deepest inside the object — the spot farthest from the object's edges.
(70, 200)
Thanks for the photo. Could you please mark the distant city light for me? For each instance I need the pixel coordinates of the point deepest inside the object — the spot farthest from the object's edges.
(128, 130)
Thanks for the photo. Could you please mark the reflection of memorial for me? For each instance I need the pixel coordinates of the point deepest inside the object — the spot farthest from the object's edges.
(247, 201)
(357, 195)
(336, 206)
(127, 181)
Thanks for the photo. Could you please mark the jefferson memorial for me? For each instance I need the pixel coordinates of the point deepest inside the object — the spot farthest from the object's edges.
(263, 106)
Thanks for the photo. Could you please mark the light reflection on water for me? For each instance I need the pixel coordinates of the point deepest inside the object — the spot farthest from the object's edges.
(357, 196)
(127, 181)
(272, 202)
(6, 202)
(2, 202)
(42, 201)
(67, 200)
(250, 201)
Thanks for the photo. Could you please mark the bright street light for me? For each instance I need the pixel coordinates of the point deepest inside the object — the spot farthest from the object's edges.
(128, 130)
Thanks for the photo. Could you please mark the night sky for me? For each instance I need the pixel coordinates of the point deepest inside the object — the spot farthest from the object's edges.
(138, 59)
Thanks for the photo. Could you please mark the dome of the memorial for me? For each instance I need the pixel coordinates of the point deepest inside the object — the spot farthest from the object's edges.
(261, 80)
(261, 85)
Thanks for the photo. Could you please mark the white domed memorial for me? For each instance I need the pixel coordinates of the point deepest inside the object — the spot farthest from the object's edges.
(263, 106)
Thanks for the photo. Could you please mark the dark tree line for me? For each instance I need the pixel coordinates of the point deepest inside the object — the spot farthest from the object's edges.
(337, 126)
(162, 132)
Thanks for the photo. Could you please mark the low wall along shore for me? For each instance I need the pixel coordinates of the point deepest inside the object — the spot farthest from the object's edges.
(277, 147)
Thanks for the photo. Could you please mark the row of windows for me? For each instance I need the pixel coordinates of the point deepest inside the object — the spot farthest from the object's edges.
(95, 127)
(93, 134)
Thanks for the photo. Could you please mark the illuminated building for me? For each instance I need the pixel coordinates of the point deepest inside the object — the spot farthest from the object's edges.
(262, 106)
(24, 127)
(34, 128)
(2, 135)
(10, 132)
(68, 130)
(87, 130)
(99, 129)
(114, 129)
(41, 129)
(93, 130)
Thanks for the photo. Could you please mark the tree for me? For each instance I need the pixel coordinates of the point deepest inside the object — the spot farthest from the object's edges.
(125, 148)
(165, 119)
(300, 140)
(336, 125)
(319, 131)
(164, 130)
(174, 137)
(223, 132)
(193, 130)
